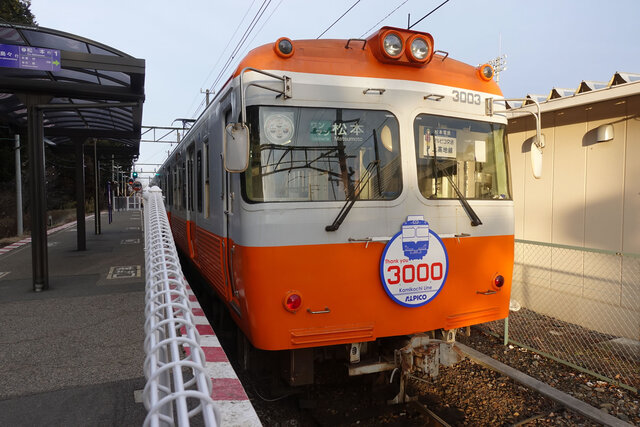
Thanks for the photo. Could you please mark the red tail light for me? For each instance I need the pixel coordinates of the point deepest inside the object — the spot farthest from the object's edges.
(498, 281)
(292, 302)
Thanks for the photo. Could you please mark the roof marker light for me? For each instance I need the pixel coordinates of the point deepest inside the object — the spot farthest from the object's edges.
(485, 72)
(284, 47)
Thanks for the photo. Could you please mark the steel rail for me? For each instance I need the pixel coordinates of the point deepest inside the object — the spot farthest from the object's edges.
(546, 390)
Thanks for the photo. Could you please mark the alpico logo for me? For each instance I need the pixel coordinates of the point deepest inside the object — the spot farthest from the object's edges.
(414, 264)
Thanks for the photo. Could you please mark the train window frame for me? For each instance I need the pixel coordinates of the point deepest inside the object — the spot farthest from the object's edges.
(168, 185)
(199, 180)
(183, 185)
(388, 167)
(190, 177)
(472, 157)
(207, 173)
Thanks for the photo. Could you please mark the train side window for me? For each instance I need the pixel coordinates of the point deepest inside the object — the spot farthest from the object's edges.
(167, 186)
(190, 183)
(199, 180)
(170, 186)
(176, 189)
(205, 160)
(183, 186)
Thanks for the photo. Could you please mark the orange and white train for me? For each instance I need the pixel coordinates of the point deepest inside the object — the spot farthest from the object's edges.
(340, 193)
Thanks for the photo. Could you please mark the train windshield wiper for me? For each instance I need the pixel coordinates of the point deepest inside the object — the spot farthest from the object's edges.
(352, 197)
(475, 220)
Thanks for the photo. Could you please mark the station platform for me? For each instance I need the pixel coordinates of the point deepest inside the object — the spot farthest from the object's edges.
(74, 354)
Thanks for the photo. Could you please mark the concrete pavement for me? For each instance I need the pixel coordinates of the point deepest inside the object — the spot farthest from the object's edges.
(73, 355)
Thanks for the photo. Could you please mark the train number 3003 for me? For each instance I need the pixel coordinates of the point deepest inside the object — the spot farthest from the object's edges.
(410, 273)
(466, 97)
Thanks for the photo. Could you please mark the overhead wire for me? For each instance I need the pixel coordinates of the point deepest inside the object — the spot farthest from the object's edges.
(336, 21)
(421, 19)
(248, 31)
(256, 18)
(388, 15)
(223, 52)
(260, 29)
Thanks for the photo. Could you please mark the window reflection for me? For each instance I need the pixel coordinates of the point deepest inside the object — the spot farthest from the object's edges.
(472, 153)
(322, 154)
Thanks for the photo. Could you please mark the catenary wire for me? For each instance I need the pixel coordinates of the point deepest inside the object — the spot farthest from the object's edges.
(223, 52)
(248, 46)
(336, 21)
(263, 7)
(388, 15)
(420, 20)
(244, 38)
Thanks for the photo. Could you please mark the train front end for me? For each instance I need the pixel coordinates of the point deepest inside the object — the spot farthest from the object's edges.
(376, 202)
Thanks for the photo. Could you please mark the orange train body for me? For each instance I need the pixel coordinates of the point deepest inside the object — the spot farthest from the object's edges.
(418, 125)
(346, 278)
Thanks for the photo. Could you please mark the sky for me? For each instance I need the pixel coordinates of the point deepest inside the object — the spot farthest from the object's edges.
(548, 43)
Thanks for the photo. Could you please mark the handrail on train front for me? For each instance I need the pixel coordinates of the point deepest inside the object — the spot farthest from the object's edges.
(538, 142)
(169, 397)
(285, 92)
(490, 111)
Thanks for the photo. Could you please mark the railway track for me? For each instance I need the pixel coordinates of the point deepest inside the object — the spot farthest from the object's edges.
(341, 400)
(352, 401)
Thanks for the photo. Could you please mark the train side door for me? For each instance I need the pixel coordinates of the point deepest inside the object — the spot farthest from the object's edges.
(229, 218)
(191, 213)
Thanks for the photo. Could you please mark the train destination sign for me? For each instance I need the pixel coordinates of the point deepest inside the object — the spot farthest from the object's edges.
(414, 264)
(29, 57)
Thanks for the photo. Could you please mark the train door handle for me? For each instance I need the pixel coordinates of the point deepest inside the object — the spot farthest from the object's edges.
(326, 310)
(487, 292)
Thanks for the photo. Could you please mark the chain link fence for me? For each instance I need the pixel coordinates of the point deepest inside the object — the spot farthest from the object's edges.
(579, 306)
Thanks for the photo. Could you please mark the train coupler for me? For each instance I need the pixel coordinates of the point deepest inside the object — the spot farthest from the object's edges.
(424, 355)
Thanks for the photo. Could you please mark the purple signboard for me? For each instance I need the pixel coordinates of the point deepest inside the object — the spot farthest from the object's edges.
(29, 57)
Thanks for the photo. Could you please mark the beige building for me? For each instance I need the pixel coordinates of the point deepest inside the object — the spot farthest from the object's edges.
(578, 226)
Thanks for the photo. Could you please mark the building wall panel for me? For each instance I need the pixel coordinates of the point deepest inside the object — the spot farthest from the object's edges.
(569, 169)
(631, 224)
(604, 189)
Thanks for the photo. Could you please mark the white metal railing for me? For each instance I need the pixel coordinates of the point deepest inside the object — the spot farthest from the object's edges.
(170, 397)
(127, 203)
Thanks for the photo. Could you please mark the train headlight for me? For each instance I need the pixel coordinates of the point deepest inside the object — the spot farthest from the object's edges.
(284, 47)
(498, 281)
(292, 301)
(418, 48)
(485, 72)
(392, 44)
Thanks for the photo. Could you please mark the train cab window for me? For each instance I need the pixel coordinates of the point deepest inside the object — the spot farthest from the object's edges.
(322, 154)
(467, 154)
(199, 180)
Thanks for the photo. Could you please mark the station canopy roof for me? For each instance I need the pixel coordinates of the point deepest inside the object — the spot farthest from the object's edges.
(91, 91)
